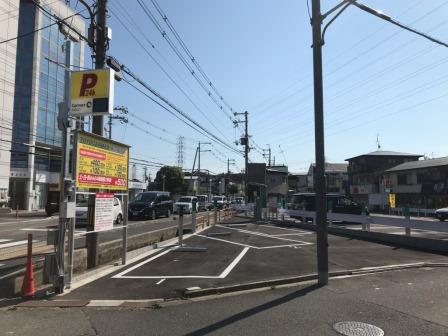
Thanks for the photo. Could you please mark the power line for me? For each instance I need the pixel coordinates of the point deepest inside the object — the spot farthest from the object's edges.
(162, 68)
(190, 55)
(152, 18)
(186, 119)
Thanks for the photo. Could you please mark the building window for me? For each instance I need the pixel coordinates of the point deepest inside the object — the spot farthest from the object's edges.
(402, 179)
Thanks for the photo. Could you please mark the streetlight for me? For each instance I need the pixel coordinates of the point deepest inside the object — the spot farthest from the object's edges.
(318, 41)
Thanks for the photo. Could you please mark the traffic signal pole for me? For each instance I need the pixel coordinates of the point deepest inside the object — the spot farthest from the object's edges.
(321, 206)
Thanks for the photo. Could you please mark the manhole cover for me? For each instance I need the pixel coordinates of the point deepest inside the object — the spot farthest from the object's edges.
(352, 328)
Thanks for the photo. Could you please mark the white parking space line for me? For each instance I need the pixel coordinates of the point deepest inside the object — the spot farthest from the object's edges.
(224, 273)
(160, 282)
(267, 235)
(4, 240)
(234, 263)
(2, 265)
(120, 275)
(286, 229)
(255, 247)
(288, 234)
(227, 241)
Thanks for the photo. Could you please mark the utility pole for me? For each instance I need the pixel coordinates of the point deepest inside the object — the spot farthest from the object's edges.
(245, 143)
(268, 154)
(321, 204)
(229, 162)
(199, 160)
(100, 47)
(100, 53)
(121, 117)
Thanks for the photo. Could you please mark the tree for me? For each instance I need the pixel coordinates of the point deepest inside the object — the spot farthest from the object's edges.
(174, 179)
(233, 189)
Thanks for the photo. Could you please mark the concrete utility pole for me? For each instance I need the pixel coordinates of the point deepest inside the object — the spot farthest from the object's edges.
(101, 45)
(245, 143)
(319, 178)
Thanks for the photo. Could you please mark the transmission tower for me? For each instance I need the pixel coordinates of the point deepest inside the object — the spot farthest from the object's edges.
(180, 151)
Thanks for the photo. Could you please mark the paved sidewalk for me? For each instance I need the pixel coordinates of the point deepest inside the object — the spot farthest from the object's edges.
(402, 303)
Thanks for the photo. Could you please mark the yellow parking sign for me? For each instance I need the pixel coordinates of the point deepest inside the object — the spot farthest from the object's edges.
(91, 92)
(392, 200)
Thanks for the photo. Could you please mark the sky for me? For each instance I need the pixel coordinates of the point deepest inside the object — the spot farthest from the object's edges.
(379, 80)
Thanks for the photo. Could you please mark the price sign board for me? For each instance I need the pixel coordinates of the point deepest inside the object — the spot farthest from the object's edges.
(104, 212)
(101, 163)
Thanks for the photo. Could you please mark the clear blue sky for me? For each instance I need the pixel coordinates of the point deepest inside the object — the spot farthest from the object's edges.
(378, 79)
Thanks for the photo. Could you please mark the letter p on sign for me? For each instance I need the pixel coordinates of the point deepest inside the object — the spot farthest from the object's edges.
(88, 83)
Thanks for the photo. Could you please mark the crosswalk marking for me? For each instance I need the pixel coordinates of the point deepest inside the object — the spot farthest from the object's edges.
(16, 243)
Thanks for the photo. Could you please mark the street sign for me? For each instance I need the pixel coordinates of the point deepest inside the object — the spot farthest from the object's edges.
(104, 212)
(101, 163)
(91, 92)
(392, 200)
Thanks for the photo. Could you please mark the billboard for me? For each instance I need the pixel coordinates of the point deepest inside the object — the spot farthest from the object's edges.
(101, 163)
(91, 92)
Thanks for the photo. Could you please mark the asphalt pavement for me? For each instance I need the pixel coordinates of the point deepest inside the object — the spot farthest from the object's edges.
(400, 303)
(236, 253)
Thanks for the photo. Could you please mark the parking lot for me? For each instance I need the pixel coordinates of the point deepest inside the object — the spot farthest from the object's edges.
(237, 252)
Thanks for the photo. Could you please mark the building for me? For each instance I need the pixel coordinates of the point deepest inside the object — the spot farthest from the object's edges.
(276, 184)
(336, 177)
(8, 53)
(419, 184)
(39, 87)
(297, 183)
(366, 171)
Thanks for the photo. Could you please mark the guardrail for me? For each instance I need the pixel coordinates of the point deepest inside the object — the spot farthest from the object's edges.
(419, 212)
(406, 222)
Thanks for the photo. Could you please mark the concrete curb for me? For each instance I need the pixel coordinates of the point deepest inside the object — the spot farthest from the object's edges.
(187, 294)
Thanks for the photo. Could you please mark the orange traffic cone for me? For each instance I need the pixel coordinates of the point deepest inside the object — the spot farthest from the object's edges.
(28, 288)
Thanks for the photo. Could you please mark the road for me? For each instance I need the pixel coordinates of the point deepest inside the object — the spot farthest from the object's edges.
(13, 233)
(401, 303)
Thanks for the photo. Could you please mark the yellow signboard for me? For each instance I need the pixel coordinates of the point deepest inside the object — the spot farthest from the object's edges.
(392, 200)
(91, 92)
(101, 163)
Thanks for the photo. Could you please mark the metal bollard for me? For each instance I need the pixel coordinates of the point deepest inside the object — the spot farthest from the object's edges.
(364, 222)
(193, 218)
(407, 216)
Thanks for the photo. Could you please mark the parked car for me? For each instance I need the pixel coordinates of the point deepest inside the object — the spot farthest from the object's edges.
(81, 211)
(340, 204)
(186, 202)
(151, 204)
(239, 200)
(442, 214)
(221, 201)
(203, 203)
